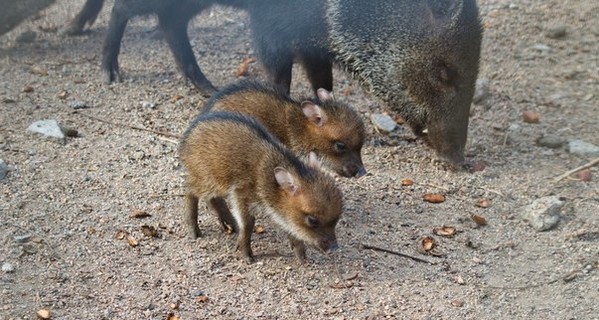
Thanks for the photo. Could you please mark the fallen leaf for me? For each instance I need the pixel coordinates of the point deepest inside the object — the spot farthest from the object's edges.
(27, 89)
(120, 235)
(176, 98)
(259, 229)
(585, 175)
(149, 231)
(530, 117)
(202, 298)
(62, 94)
(39, 71)
(481, 221)
(139, 214)
(444, 231)
(483, 203)
(131, 241)
(172, 316)
(434, 198)
(43, 314)
(244, 66)
(341, 285)
(428, 243)
(407, 182)
(457, 303)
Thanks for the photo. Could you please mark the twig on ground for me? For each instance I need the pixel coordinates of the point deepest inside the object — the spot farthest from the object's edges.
(575, 170)
(162, 133)
(366, 246)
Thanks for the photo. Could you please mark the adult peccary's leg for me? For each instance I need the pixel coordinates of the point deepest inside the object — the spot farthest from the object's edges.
(175, 33)
(87, 16)
(319, 70)
(112, 44)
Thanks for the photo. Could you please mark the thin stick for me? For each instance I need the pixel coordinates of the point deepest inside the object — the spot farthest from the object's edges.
(162, 133)
(366, 246)
(573, 171)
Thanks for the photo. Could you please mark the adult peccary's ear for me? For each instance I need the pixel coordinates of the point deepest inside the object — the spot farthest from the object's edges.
(286, 181)
(313, 113)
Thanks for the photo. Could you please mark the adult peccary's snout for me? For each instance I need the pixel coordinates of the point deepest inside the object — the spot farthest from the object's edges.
(419, 57)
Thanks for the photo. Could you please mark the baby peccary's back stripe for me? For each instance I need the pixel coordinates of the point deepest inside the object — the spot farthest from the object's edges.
(260, 131)
(246, 85)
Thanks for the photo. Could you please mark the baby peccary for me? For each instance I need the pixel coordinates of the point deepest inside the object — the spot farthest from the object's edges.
(232, 156)
(331, 129)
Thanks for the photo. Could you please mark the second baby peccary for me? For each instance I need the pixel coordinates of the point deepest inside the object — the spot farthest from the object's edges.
(331, 129)
(420, 57)
(232, 156)
(173, 18)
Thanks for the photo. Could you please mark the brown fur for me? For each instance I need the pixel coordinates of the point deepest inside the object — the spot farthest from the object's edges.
(316, 125)
(231, 156)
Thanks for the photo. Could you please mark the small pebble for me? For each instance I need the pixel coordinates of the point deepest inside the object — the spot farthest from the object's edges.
(148, 105)
(583, 148)
(556, 32)
(8, 268)
(79, 105)
(541, 47)
(544, 213)
(23, 238)
(551, 141)
(383, 122)
(3, 169)
(48, 128)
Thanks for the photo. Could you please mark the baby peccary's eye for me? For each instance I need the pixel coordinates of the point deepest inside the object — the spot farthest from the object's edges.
(340, 146)
(312, 222)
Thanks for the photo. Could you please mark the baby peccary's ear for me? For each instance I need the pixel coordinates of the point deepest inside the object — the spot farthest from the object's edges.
(325, 95)
(313, 161)
(313, 113)
(286, 181)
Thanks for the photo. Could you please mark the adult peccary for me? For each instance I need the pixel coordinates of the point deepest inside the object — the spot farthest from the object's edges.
(173, 18)
(419, 57)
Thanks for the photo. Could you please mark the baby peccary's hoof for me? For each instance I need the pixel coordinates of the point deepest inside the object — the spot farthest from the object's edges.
(299, 249)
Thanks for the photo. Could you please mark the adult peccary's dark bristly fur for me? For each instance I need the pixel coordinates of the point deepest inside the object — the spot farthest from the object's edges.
(419, 57)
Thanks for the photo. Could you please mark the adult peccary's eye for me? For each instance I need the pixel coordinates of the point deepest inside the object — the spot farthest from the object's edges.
(312, 222)
(340, 146)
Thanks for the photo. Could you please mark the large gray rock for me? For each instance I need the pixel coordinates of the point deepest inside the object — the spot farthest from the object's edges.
(544, 213)
(582, 148)
(49, 128)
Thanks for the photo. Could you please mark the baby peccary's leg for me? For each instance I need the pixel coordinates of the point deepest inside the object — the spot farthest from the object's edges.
(299, 249)
(245, 223)
(191, 216)
(244, 238)
(225, 217)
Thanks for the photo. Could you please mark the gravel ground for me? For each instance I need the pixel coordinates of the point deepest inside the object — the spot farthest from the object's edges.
(70, 241)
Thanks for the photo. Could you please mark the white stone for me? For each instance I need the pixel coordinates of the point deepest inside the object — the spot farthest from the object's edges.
(49, 128)
(544, 213)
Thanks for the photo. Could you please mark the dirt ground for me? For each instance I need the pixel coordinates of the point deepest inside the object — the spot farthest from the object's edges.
(67, 230)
